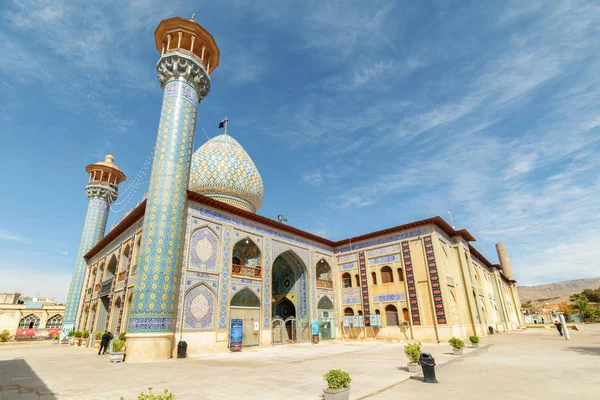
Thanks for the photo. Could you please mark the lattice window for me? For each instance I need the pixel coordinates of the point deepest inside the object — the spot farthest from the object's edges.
(29, 322)
(348, 312)
(357, 279)
(54, 322)
(400, 275)
(374, 278)
(347, 280)
(387, 276)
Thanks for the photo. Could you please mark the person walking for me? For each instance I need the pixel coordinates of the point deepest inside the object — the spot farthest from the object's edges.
(104, 343)
(558, 327)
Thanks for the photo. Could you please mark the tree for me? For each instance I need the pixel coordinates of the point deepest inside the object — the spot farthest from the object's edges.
(593, 295)
(527, 305)
(564, 307)
(582, 306)
(575, 296)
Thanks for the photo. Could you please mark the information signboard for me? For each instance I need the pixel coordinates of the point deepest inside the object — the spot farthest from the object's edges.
(235, 335)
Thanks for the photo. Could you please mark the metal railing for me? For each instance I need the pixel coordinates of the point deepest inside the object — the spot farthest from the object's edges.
(324, 283)
(252, 272)
(105, 287)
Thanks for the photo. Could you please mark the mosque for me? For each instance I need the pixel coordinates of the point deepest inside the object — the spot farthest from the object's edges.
(195, 254)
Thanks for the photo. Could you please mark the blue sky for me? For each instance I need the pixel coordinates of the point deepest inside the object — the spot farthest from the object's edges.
(359, 116)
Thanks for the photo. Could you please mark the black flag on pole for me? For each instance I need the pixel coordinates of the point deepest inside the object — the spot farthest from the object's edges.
(222, 123)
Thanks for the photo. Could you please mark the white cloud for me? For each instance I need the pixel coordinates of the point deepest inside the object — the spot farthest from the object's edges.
(8, 236)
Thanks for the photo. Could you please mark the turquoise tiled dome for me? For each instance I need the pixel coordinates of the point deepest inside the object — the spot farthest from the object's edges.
(222, 169)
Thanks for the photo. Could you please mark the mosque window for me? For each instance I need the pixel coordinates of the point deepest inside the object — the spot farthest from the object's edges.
(391, 315)
(360, 313)
(54, 322)
(387, 276)
(29, 322)
(405, 314)
(357, 279)
(246, 259)
(374, 278)
(400, 275)
(348, 312)
(347, 280)
(377, 312)
(324, 274)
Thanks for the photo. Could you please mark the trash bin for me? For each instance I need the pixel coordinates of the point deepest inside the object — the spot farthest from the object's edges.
(181, 349)
(427, 362)
(491, 330)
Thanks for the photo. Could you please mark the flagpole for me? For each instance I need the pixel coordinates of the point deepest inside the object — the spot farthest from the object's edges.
(226, 123)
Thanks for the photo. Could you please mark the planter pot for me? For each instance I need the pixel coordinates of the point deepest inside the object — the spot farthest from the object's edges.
(79, 342)
(97, 344)
(413, 367)
(457, 352)
(116, 357)
(339, 394)
(475, 345)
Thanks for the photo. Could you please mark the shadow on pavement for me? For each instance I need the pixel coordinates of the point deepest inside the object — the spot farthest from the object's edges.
(588, 351)
(17, 378)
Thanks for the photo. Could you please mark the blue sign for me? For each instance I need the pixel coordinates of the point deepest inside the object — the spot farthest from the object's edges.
(347, 320)
(315, 326)
(375, 320)
(235, 335)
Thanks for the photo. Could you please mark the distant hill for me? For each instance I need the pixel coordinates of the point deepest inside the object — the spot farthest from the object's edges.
(556, 290)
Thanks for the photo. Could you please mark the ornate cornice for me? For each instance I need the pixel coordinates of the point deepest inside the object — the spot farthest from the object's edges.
(181, 65)
(100, 191)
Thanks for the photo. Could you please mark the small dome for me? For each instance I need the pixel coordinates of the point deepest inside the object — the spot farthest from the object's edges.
(222, 169)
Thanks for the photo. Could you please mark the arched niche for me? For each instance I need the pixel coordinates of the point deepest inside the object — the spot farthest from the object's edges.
(245, 259)
(203, 250)
(199, 308)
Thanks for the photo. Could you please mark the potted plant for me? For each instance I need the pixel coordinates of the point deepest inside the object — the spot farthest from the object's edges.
(85, 335)
(166, 395)
(4, 335)
(71, 336)
(97, 339)
(474, 340)
(117, 353)
(413, 353)
(122, 336)
(77, 335)
(338, 385)
(457, 345)
(55, 337)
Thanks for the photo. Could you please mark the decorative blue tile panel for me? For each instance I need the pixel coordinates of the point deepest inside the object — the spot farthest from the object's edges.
(347, 266)
(392, 238)
(386, 298)
(351, 300)
(384, 259)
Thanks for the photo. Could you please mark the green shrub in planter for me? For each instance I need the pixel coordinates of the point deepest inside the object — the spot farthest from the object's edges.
(413, 352)
(77, 334)
(71, 334)
(166, 395)
(4, 335)
(456, 343)
(118, 346)
(85, 334)
(337, 379)
(122, 336)
(111, 336)
(98, 336)
(56, 336)
(474, 339)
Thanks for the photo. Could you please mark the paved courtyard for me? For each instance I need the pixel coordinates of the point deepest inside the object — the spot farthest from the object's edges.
(524, 365)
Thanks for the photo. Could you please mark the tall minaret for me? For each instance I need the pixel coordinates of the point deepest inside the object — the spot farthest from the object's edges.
(188, 54)
(102, 190)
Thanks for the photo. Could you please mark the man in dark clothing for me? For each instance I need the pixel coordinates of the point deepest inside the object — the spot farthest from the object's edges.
(104, 343)
(558, 327)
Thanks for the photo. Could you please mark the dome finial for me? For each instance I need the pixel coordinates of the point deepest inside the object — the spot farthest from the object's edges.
(224, 124)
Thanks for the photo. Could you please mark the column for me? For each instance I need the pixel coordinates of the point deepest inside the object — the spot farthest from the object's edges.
(152, 320)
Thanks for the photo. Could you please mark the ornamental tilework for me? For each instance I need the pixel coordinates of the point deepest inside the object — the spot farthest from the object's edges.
(347, 266)
(392, 238)
(383, 298)
(348, 257)
(205, 212)
(203, 251)
(410, 281)
(364, 288)
(93, 230)
(442, 234)
(435, 281)
(313, 283)
(351, 300)
(224, 281)
(384, 259)
(199, 308)
(350, 292)
(389, 249)
(267, 286)
(155, 295)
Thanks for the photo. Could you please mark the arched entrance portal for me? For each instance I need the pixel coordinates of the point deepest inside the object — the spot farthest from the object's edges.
(291, 318)
(326, 321)
(245, 305)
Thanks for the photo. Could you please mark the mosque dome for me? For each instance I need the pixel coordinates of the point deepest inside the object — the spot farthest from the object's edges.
(221, 169)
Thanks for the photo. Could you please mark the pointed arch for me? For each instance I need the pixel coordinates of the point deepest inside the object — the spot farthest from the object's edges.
(391, 315)
(323, 273)
(246, 258)
(199, 308)
(55, 321)
(346, 280)
(203, 253)
(387, 276)
(325, 303)
(125, 256)
(30, 321)
(111, 267)
(245, 298)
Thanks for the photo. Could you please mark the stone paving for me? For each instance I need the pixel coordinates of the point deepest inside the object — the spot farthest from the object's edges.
(531, 364)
